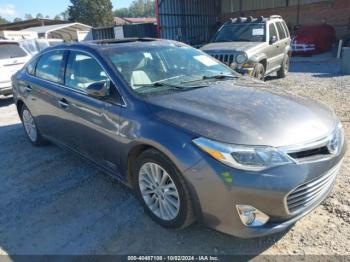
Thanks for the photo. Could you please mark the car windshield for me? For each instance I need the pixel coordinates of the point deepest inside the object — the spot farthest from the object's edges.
(243, 32)
(152, 68)
(10, 50)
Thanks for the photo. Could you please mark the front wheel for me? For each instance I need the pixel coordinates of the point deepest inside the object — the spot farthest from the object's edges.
(162, 190)
(259, 71)
(30, 127)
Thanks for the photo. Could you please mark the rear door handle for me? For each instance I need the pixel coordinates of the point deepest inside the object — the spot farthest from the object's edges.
(28, 88)
(63, 103)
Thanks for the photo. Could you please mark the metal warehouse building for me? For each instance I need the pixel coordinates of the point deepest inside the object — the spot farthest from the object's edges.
(195, 21)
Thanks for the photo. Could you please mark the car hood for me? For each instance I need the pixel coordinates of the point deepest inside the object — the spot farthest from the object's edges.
(245, 112)
(232, 47)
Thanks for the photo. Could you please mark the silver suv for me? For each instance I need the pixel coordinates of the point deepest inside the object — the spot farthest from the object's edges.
(254, 46)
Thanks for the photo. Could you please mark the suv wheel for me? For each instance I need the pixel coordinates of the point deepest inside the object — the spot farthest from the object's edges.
(259, 71)
(162, 191)
(30, 127)
(282, 73)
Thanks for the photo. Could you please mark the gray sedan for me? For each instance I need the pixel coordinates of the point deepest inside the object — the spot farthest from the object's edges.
(195, 141)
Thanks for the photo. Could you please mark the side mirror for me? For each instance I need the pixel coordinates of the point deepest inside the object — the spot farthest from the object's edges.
(273, 39)
(98, 89)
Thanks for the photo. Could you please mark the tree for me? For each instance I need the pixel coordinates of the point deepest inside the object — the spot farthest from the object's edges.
(39, 16)
(150, 8)
(57, 17)
(138, 8)
(3, 20)
(47, 17)
(122, 12)
(96, 13)
(28, 17)
(65, 15)
(17, 19)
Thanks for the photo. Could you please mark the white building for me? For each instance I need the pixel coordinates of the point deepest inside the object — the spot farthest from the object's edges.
(67, 32)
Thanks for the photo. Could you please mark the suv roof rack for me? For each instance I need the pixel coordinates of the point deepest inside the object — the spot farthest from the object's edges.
(275, 17)
(250, 19)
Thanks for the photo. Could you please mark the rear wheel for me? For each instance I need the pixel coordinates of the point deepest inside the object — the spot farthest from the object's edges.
(259, 71)
(282, 73)
(162, 190)
(30, 127)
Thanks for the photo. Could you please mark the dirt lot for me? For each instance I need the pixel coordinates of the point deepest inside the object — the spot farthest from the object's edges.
(52, 202)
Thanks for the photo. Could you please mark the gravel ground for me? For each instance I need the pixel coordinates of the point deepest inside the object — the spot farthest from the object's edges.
(52, 202)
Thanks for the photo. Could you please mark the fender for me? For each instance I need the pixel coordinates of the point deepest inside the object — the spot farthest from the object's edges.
(258, 57)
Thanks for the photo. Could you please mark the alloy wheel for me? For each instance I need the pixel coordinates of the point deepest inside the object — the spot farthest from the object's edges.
(29, 125)
(159, 191)
(260, 72)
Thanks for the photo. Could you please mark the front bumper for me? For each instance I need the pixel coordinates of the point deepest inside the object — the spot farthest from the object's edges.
(246, 71)
(5, 88)
(303, 49)
(218, 189)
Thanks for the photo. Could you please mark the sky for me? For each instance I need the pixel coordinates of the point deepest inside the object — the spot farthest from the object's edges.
(10, 9)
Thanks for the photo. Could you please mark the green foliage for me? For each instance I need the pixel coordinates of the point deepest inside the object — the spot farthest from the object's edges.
(96, 13)
(3, 20)
(17, 19)
(138, 8)
(57, 17)
(65, 15)
(39, 16)
(122, 12)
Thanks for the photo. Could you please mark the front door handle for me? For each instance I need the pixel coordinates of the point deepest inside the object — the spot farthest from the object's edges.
(63, 103)
(28, 88)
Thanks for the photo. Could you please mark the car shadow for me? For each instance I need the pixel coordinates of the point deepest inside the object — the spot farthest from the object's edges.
(6, 100)
(318, 70)
(53, 202)
(331, 69)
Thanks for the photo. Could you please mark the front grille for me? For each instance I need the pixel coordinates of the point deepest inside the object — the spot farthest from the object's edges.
(310, 153)
(307, 194)
(227, 59)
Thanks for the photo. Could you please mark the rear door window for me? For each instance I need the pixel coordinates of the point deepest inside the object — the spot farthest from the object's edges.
(281, 30)
(11, 50)
(31, 67)
(286, 29)
(49, 66)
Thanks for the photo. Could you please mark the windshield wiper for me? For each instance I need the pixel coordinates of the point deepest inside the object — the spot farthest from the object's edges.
(162, 84)
(218, 77)
(159, 84)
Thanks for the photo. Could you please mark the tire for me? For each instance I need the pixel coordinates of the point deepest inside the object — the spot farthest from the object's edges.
(175, 200)
(30, 127)
(283, 72)
(259, 71)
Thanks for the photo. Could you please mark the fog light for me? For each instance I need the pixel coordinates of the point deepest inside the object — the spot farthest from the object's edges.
(251, 217)
(233, 65)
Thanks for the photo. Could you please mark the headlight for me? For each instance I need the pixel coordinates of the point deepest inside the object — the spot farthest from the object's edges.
(251, 158)
(241, 58)
(337, 140)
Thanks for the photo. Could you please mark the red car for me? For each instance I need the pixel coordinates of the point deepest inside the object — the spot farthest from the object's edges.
(315, 39)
